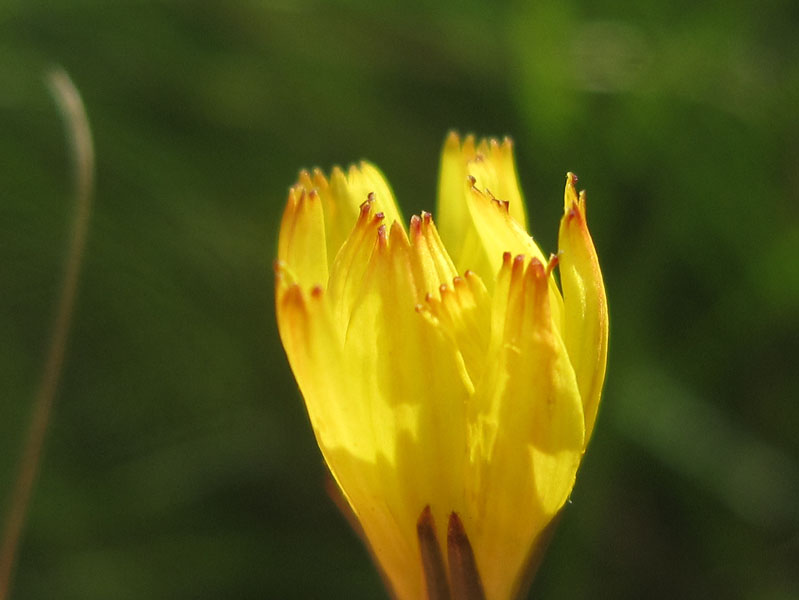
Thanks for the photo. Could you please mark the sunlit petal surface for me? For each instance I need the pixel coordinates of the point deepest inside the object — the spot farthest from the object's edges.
(444, 368)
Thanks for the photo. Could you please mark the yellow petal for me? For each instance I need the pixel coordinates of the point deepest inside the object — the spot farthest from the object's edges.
(430, 261)
(489, 167)
(462, 312)
(527, 433)
(479, 226)
(314, 350)
(352, 259)
(301, 244)
(494, 171)
(341, 201)
(362, 436)
(585, 304)
(497, 230)
(340, 209)
(366, 179)
(368, 392)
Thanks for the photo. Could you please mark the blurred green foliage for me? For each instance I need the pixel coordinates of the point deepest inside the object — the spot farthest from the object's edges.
(180, 463)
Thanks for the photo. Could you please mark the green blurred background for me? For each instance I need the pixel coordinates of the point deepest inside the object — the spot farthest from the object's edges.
(180, 463)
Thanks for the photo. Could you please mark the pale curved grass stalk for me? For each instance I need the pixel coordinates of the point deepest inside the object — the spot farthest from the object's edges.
(80, 146)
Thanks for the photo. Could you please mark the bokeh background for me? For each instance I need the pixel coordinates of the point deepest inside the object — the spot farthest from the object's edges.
(180, 463)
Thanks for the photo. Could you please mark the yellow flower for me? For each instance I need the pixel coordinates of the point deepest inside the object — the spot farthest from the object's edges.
(448, 378)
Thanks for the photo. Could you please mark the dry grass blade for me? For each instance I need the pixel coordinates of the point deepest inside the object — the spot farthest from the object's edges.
(82, 152)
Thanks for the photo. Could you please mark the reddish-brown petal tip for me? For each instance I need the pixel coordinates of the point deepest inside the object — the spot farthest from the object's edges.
(293, 297)
(537, 267)
(416, 227)
(574, 212)
(304, 178)
(517, 269)
(553, 262)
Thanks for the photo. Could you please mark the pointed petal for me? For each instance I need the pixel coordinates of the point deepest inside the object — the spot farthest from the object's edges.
(349, 267)
(340, 210)
(453, 214)
(585, 304)
(366, 179)
(509, 188)
(494, 171)
(342, 207)
(497, 230)
(314, 350)
(462, 312)
(481, 210)
(357, 431)
(498, 234)
(527, 438)
(301, 239)
(390, 364)
(341, 200)
(430, 261)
